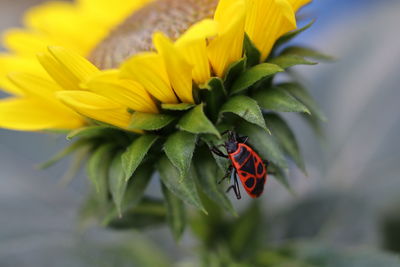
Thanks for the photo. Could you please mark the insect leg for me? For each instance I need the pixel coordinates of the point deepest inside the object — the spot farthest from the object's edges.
(235, 188)
(227, 174)
(218, 152)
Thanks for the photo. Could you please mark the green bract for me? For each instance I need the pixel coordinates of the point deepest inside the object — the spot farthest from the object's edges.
(174, 146)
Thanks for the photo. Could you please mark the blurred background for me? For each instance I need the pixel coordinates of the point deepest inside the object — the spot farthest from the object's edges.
(350, 198)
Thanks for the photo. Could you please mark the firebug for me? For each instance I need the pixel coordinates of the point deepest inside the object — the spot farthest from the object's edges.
(245, 163)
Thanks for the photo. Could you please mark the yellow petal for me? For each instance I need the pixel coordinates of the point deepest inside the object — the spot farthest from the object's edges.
(96, 107)
(297, 4)
(12, 63)
(266, 21)
(31, 114)
(58, 73)
(193, 46)
(33, 85)
(78, 66)
(227, 47)
(178, 69)
(125, 92)
(149, 70)
(26, 43)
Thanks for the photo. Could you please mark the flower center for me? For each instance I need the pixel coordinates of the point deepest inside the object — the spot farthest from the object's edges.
(172, 17)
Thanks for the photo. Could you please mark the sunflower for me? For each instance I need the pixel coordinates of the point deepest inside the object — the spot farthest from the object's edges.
(101, 61)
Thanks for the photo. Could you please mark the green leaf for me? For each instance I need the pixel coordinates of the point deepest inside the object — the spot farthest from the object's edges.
(252, 53)
(149, 121)
(254, 75)
(246, 108)
(135, 154)
(264, 143)
(288, 60)
(290, 35)
(97, 169)
(87, 132)
(208, 174)
(307, 52)
(150, 212)
(214, 96)
(63, 153)
(280, 175)
(184, 189)
(281, 130)
(176, 215)
(234, 70)
(177, 107)
(277, 99)
(179, 148)
(301, 94)
(117, 182)
(134, 192)
(245, 236)
(195, 121)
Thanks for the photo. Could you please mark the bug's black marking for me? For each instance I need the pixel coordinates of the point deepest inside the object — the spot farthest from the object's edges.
(244, 174)
(250, 182)
(249, 166)
(260, 168)
(242, 156)
(259, 188)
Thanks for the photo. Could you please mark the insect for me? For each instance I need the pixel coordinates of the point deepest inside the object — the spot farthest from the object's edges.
(245, 163)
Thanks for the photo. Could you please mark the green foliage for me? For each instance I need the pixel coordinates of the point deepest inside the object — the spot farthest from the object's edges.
(117, 181)
(179, 149)
(286, 61)
(185, 188)
(277, 99)
(177, 107)
(149, 122)
(246, 108)
(252, 53)
(253, 75)
(176, 215)
(281, 130)
(135, 153)
(195, 121)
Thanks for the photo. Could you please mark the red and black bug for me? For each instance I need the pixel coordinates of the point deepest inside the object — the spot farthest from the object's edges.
(245, 163)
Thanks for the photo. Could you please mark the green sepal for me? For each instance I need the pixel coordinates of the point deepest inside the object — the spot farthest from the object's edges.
(117, 182)
(177, 107)
(214, 95)
(286, 61)
(134, 191)
(185, 188)
(253, 75)
(235, 70)
(291, 35)
(307, 53)
(179, 148)
(98, 167)
(195, 121)
(245, 237)
(278, 99)
(64, 153)
(208, 174)
(149, 121)
(302, 95)
(135, 153)
(280, 175)
(246, 108)
(284, 134)
(252, 53)
(149, 213)
(176, 214)
(211, 141)
(264, 143)
(88, 132)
